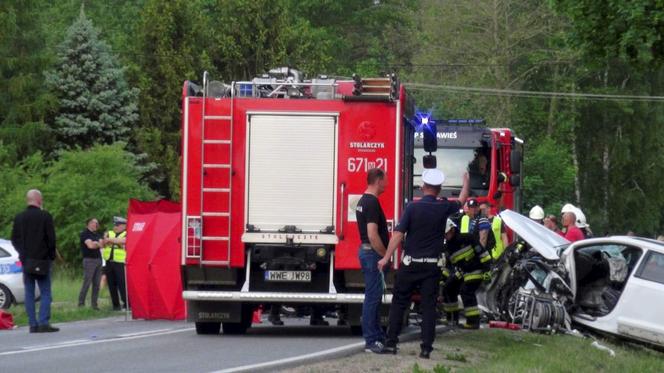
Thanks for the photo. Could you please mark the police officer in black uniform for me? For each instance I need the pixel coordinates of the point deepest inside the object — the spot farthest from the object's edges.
(423, 224)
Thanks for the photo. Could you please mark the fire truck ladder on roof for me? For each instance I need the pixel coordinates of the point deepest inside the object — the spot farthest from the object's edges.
(216, 192)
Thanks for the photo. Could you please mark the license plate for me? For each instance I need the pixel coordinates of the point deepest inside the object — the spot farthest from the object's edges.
(288, 276)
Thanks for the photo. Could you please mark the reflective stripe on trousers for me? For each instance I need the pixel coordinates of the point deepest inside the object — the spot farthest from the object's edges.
(451, 307)
(471, 311)
(466, 253)
(473, 276)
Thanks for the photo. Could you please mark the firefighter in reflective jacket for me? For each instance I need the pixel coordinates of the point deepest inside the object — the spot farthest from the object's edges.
(467, 261)
(114, 254)
(497, 229)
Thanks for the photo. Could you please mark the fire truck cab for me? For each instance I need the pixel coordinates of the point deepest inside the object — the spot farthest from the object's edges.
(493, 158)
(272, 170)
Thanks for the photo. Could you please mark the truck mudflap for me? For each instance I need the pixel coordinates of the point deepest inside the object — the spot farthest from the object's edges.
(276, 297)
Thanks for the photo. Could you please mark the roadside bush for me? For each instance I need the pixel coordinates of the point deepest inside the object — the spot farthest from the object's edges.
(79, 185)
(94, 183)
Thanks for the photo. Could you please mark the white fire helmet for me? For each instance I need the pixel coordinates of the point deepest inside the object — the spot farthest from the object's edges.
(581, 219)
(536, 213)
(568, 208)
(449, 225)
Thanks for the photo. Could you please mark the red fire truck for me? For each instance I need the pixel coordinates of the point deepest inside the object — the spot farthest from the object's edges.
(493, 158)
(272, 169)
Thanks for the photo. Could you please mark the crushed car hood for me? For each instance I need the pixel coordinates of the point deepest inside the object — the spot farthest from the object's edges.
(546, 242)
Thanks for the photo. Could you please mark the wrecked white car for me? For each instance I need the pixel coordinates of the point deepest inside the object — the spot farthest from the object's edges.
(613, 285)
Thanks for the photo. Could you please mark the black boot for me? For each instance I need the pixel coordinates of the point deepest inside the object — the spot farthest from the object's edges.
(274, 317)
(452, 319)
(472, 322)
(425, 352)
(48, 328)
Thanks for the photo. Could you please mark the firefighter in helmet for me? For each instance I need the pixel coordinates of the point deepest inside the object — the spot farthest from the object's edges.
(537, 214)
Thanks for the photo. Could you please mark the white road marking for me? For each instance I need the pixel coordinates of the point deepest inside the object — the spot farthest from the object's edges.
(92, 342)
(56, 344)
(248, 368)
(143, 333)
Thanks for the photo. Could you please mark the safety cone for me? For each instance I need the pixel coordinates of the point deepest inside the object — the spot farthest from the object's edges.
(258, 313)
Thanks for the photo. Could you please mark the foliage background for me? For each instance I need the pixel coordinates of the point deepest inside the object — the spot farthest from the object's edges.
(605, 155)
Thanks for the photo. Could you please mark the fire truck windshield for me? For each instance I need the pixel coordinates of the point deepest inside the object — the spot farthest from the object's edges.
(454, 162)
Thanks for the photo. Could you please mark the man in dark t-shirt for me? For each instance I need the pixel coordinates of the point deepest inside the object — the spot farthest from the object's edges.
(91, 243)
(373, 232)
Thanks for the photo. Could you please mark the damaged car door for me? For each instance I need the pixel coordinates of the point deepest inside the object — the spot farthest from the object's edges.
(618, 286)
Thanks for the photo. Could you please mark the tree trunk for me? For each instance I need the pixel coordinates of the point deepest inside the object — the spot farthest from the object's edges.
(553, 106)
(575, 159)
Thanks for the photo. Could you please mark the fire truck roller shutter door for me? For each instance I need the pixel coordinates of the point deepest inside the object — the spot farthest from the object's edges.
(291, 174)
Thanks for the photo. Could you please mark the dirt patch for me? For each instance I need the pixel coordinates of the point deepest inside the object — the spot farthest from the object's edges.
(444, 354)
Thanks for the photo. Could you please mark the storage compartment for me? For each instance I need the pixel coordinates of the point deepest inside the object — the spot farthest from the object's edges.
(291, 173)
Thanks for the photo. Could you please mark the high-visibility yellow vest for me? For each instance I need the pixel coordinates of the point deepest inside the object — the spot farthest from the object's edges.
(496, 228)
(119, 252)
(465, 224)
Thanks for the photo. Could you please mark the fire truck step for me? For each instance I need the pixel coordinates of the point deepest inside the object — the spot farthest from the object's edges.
(225, 214)
(216, 165)
(217, 190)
(215, 238)
(217, 117)
(219, 142)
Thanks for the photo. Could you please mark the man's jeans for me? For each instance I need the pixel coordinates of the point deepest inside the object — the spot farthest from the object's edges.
(373, 292)
(91, 276)
(44, 283)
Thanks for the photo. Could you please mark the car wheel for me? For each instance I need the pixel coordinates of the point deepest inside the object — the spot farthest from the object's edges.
(5, 297)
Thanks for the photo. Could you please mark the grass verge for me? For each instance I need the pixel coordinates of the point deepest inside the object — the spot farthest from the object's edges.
(502, 351)
(65, 287)
(489, 350)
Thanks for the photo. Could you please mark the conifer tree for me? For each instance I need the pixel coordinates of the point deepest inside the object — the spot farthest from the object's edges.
(95, 103)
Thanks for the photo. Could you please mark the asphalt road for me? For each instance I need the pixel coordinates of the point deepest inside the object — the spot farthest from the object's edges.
(116, 345)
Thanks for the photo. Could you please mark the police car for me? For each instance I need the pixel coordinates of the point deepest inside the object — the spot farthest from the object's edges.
(11, 276)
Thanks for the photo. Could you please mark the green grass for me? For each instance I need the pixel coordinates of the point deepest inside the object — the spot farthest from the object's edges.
(456, 357)
(490, 350)
(65, 287)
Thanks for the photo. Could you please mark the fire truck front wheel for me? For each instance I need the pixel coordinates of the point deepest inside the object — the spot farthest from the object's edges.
(207, 327)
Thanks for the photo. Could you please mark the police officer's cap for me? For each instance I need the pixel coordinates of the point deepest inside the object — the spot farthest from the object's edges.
(433, 177)
(473, 203)
(117, 220)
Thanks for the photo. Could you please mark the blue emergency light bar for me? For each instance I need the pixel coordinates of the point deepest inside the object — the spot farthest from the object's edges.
(424, 121)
